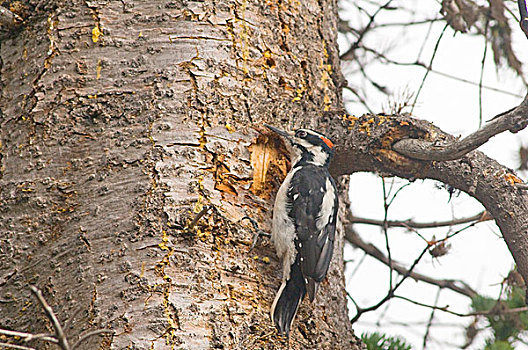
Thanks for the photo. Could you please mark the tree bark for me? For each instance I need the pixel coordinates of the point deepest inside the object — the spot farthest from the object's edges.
(123, 121)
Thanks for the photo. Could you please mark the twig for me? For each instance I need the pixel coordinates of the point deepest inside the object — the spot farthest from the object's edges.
(26, 337)
(407, 24)
(58, 338)
(59, 334)
(360, 98)
(364, 31)
(390, 294)
(428, 69)
(480, 217)
(13, 346)
(514, 120)
(446, 75)
(385, 230)
(356, 268)
(426, 39)
(70, 320)
(486, 27)
(370, 249)
(470, 314)
(430, 321)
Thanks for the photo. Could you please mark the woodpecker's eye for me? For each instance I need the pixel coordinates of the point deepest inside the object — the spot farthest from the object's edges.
(301, 133)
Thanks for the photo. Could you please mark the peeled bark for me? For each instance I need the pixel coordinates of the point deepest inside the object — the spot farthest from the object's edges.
(121, 122)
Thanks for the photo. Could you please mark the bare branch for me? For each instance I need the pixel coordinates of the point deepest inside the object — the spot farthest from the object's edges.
(362, 33)
(418, 63)
(470, 314)
(28, 336)
(486, 28)
(59, 337)
(410, 23)
(429, 67)
(430, 322)
(454, 285)
(13, 346)
(386, 206)
(59, 333)
(360, 98)
(513, 120)
(482, 216)
(390, 294)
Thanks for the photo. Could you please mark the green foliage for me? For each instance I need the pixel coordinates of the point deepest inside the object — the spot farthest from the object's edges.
(506, 326)
(378, 341)
(499, 345)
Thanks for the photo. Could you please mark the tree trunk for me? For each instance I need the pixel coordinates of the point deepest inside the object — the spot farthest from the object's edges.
(131, 147)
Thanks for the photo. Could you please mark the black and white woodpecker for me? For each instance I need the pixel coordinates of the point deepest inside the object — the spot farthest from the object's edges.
(304, 222)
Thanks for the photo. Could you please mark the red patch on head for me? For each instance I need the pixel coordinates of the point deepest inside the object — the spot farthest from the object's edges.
(328, 142)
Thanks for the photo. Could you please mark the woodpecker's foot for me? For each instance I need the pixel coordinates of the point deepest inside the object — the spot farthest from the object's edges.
(257, 232)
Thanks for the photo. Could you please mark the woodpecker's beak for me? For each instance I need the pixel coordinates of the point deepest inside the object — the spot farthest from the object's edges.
(278, 131)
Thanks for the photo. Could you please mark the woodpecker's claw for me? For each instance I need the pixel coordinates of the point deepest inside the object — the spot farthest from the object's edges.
(257, 232)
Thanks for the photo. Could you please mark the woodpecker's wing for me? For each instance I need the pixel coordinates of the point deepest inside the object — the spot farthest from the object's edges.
(313, 210)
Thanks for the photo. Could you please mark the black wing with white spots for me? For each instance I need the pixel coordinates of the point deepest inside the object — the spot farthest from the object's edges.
(313, 211)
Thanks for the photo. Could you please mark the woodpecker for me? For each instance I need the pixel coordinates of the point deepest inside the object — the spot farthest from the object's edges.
(304, 223)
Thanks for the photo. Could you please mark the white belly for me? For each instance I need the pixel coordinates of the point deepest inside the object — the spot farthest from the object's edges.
(283, 231)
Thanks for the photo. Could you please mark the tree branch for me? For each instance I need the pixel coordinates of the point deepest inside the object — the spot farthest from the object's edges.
(59, 333)
(58, 338)
(365, 144)
(470, 314)
(362, 33)
(391, 292)
(26, 337)
(514, 120)
(14, 346)
(482, 216)
(457, 286)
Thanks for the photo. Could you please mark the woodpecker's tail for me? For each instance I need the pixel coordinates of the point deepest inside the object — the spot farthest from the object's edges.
(287, 300)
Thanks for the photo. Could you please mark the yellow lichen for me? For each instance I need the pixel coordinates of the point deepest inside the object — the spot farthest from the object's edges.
(230, 128)
(512, 179)
(96, 33)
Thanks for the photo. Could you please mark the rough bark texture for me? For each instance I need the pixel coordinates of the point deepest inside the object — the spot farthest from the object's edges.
(120, 121)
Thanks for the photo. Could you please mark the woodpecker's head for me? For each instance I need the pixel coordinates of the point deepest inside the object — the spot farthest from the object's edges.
(307, 146)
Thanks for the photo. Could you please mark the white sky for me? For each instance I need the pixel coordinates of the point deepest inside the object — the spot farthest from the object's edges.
(478, 255)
